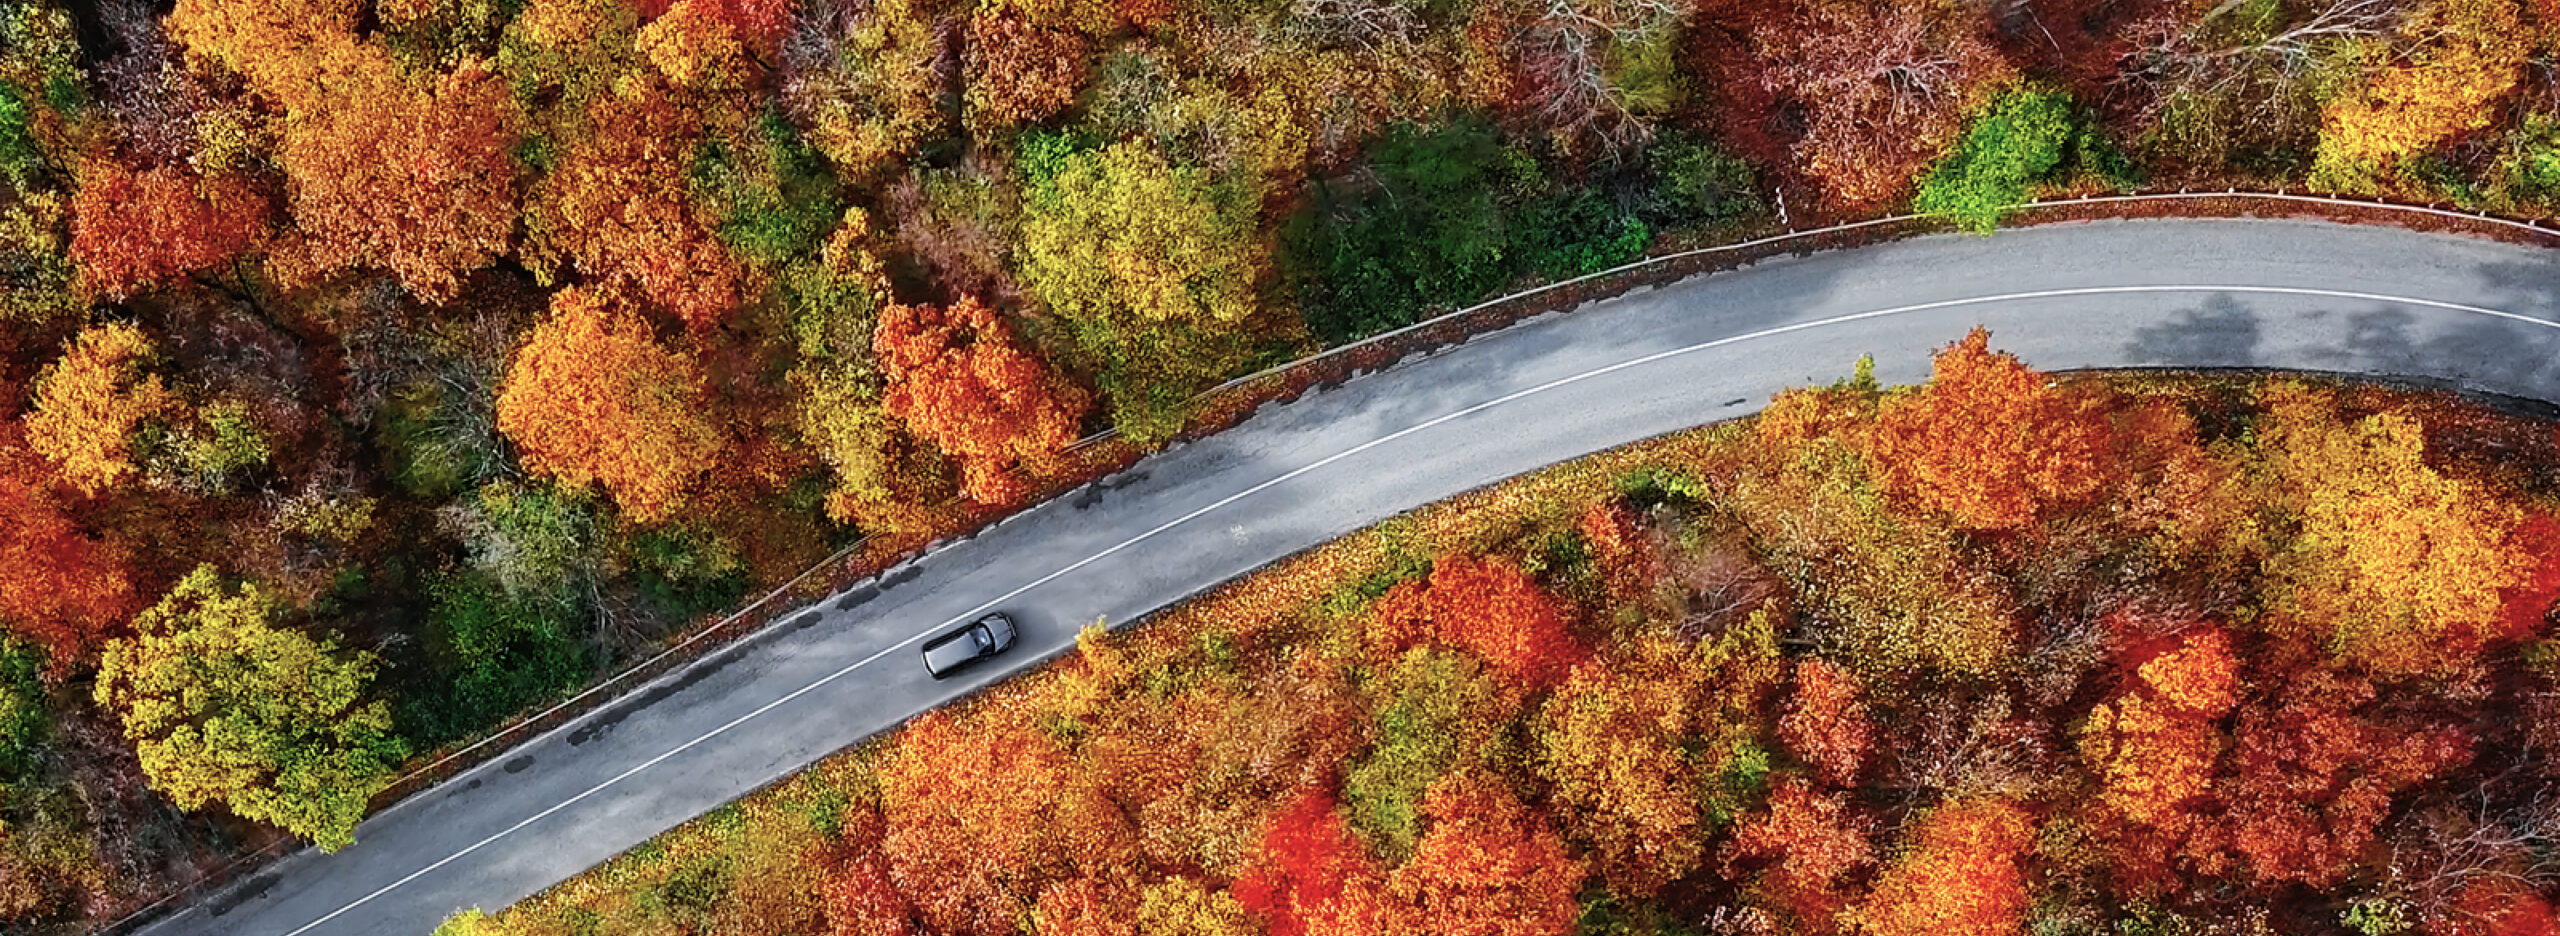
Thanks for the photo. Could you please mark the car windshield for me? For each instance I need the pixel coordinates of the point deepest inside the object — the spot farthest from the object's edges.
(982, 635)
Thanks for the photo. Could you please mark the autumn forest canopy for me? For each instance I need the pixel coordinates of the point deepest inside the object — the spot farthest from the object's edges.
(374, 372)
(1990, 656)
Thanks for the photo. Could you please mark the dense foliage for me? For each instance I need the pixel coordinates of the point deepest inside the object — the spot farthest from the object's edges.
(504, 340)
(1678, 689)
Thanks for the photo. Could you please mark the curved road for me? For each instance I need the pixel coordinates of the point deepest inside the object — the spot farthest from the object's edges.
(2113, 294)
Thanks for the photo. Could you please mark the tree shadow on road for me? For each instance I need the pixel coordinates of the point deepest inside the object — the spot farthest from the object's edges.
(2219, 333)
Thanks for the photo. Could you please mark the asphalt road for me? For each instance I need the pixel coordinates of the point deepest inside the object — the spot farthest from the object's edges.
(2115, 294)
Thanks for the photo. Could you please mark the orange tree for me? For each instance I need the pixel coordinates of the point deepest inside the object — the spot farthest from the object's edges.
(1959, 876)
(1488, 867)
(1020, 73)
(1489, 608)
(591, 397)
(413, 175)
(1988, 442)
(1899, 592)
(2154, 747)
(956, 376)
(410, 173)
(618, 207)
(1643, 746)
(138, 230)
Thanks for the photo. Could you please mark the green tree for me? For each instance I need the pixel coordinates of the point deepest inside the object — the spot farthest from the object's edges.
(21, 163)
(2020, 140)
(533, 542)
(495, 653)
(770, 191)
(224, 706)
(23, 725)
(1430, 232)
(1696, 182)
(1153, 268)
(1442, 712)
(1576, 231)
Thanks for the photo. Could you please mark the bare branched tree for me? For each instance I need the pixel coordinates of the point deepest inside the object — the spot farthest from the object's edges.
(1884, 87)
(1960, 751)
(2480, 839)
(2209, 72)
(1566, 51)
(1382, 27)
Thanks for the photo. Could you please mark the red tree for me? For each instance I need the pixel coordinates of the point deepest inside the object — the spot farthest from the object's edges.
(1488, 867)
(2310, 778)
(1802, 847)
(2497, 907)
(2523, 605)
(1886, 86)
(957, 377)
(1489, 608)
(1307, 863)
(59, 588)
(133, 231)
(1826, 725)
(860, 898)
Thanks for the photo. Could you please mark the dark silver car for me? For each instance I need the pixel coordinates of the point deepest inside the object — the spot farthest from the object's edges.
(967, 644)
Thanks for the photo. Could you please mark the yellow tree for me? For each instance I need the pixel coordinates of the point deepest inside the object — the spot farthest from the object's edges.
(1152, 267)
(89, 404)
(223, 706)
(593, 398)
(279, 45)
(2460, 56)
(2396, 567)
(1181, 907)
(1619, 742)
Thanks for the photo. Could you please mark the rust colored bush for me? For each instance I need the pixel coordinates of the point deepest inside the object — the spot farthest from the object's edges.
(1489, 608)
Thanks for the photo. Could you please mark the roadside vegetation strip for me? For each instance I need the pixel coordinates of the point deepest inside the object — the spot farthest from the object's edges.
(1874, 656)
(1364, 446)
(1235, 399)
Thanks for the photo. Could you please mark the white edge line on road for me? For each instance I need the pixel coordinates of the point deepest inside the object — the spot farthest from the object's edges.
(1382, 440)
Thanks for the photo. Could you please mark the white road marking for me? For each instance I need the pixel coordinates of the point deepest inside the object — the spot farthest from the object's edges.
(1383, 440)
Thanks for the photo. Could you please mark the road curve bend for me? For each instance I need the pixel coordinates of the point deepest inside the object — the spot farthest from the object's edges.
(2272, 294)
